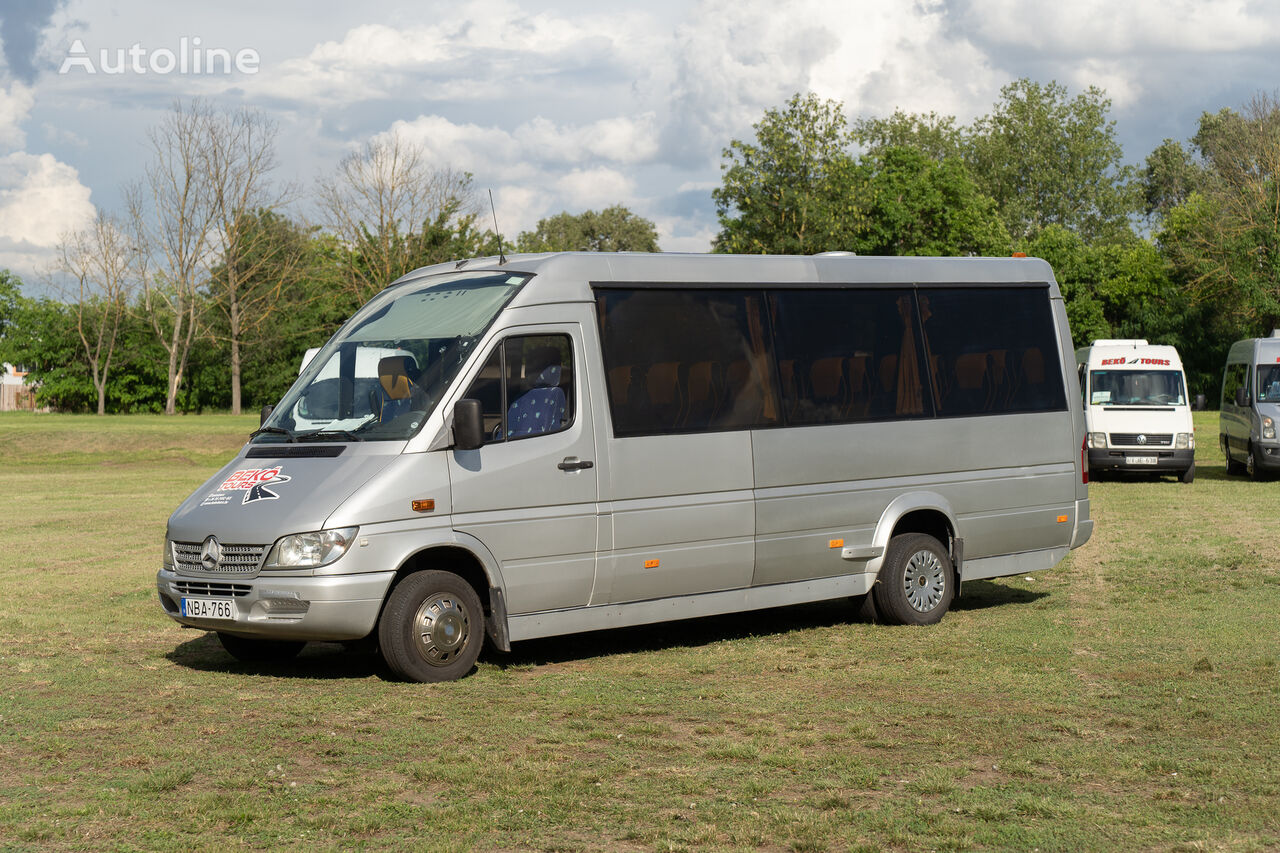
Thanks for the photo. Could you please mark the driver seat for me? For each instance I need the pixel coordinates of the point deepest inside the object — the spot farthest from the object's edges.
(396, 387)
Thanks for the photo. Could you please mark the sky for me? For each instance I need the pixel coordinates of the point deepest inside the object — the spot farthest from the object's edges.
(570, 105)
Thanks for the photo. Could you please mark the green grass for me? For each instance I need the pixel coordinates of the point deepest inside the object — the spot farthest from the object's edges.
(1125, 700)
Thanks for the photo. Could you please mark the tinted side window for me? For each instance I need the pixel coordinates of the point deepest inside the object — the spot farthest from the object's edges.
(526, 387)
(686, 360)
(991, 350)
(848, 355)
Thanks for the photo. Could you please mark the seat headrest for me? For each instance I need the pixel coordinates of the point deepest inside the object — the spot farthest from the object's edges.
(549, 377)
(394, 376)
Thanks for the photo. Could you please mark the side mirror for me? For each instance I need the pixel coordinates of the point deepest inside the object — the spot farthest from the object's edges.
(264, 414)
(1242, 397)
(468, 424)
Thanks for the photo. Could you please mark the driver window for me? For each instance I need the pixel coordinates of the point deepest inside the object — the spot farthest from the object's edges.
(526, 387)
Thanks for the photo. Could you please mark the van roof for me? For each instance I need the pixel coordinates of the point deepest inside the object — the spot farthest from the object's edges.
(567, 276)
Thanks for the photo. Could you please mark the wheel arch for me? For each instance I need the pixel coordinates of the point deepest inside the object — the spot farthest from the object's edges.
(916, 512)
(468, 558)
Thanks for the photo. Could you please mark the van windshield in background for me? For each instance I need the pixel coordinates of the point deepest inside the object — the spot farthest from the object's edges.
(385, 370)
(1136, 388)
(1268, 383)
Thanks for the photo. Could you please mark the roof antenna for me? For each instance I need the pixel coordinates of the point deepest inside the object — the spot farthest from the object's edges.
(502, 259)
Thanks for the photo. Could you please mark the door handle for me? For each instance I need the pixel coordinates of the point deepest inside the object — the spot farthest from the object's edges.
(573, 463)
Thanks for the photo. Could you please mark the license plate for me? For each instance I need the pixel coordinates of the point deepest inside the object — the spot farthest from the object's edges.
(208, 608)
(1140, 460)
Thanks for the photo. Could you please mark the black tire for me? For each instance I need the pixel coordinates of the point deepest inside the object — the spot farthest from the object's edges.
(916, 584)
(1252, 468)
(258, 650)
(432, 628)
(1188, 475)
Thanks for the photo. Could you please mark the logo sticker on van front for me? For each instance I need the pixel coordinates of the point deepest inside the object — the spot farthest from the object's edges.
(253, 482)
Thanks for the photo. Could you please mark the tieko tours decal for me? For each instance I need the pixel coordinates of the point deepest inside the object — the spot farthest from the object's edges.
(190, 57)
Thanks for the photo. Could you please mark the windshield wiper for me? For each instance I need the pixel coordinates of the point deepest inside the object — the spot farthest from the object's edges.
(274, 429)
(326, 434)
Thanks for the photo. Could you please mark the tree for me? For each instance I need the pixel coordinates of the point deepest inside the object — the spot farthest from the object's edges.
(936, 137)
(919, 206)
(174, 238)
(614, 229)
(379, 201)
(99, 260)
(238, 159)
(793, 191)
(1052, 160)
(1224, 236)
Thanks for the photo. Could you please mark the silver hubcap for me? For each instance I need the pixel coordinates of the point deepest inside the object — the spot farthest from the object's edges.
(441, 627)
(924, 581)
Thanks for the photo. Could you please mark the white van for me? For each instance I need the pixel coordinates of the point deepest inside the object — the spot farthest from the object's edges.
(1251, 407)
(585, 441)
(1136, 408)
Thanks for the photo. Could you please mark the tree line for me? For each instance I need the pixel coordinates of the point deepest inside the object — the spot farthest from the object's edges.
(205, 291)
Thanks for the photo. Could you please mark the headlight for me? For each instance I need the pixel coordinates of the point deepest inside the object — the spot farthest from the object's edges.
(167, 561)
(1185, 441)
(309, 550)
(1098, 440)
(1268, 428)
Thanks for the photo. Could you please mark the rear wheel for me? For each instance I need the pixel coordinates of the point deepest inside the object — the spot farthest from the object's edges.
(258, 650)
(916, 584)
(432, 627)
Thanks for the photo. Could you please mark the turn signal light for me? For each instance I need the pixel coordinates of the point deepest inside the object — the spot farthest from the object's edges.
(427, 505)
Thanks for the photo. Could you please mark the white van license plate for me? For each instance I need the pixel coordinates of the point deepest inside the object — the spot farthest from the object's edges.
(207, 608)
(1141, 460)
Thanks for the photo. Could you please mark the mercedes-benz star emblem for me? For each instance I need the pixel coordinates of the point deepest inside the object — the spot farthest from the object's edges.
(210, 554)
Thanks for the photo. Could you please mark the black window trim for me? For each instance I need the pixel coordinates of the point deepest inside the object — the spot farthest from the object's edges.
(788, 287)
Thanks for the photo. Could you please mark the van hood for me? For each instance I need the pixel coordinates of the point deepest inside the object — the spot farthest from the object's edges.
(254, 500)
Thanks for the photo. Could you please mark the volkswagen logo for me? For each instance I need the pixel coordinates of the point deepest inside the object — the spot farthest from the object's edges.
(210, 554)
(1142, 439)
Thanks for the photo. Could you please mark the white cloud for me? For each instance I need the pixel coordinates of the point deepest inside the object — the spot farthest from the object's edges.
(594, 188)
(1092, 28)
(40, 200)
(16, 101)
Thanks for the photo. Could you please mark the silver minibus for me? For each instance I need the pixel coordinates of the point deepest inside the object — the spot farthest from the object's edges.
(549, 444)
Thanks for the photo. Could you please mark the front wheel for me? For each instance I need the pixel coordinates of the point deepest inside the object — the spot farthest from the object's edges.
(432, 627)
(257, 650)
(1251, 465)
(1188, 475)
(915, 585)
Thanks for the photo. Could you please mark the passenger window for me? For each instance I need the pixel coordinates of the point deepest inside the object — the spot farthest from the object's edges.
(686, 360)
(526, 387)
(848, 355)
(991, 350)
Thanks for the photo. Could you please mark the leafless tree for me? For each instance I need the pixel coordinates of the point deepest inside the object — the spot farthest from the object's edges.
(99, 260)
(171, 211)
(379, 197)
(238, 159)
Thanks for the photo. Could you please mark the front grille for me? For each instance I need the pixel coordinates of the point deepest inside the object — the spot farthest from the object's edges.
(235, 559)
(226, 590)
(1130, 439)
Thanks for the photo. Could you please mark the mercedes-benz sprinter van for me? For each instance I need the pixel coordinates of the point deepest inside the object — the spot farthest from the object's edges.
(584, 441)
(1251, 407)
(1136, 409)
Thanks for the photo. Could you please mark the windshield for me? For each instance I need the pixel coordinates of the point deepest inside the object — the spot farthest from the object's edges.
(1268, 383)
(385, 370)
(1136, 388)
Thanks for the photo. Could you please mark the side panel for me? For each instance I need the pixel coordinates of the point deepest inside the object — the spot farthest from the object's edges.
(1008, 480)
(683, 516)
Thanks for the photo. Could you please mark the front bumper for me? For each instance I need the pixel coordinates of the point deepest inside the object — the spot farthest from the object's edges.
(331, 607)
(1117, 459)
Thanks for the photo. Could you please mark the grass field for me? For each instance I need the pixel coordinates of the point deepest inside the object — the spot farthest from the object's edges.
(1129, 699)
